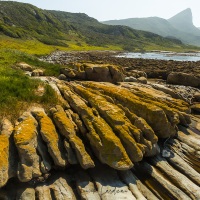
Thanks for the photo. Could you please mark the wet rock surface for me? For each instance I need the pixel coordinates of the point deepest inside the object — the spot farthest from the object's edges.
(125, 141)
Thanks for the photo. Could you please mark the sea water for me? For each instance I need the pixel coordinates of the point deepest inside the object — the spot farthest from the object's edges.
(164, 56)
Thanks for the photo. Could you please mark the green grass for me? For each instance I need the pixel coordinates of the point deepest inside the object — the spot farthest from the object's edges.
(18, 91)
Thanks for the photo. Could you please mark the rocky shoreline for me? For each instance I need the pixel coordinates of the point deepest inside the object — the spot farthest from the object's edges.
(105, 142)
(127, 140)
(153, 68)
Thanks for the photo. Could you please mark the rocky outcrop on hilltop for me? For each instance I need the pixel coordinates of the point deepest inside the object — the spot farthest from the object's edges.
(104, 142)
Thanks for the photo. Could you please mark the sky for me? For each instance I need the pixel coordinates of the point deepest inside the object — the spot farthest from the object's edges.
(103, 10)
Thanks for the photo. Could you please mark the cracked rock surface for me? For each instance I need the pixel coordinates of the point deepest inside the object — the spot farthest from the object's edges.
(125, 141)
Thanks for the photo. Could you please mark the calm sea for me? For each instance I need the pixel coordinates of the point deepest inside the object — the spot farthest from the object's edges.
(163, 56)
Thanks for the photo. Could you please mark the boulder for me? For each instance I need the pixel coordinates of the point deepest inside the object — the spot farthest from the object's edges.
(156, 73)
(196, 96)
(26, 193)
(38, 72)
(80, 75)
(196, 107)
(61, 190)
(43, 192)
(98, 73)
(179, 78)
(130, 79)
(62, 77)
(138, 74)
(116, 74)
(94, 72)
(142, 80)
(24, 66)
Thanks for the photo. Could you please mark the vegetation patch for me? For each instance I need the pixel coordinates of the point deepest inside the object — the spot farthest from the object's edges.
(18, 91)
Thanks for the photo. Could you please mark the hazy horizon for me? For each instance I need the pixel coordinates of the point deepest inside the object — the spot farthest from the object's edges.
(112, 10)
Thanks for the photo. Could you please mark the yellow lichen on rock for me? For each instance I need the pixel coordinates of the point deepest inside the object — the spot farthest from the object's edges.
(51, 137)
(4, 160)
(6, 130)
(66, 128)
(131, 137)
(175, 109)
(95, 72)
(154, 115)
(25, 137)
(105, 144)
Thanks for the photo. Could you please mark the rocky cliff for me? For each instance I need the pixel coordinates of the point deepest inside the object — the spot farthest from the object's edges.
(105, 141)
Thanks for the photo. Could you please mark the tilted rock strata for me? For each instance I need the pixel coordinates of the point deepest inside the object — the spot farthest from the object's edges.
(132, 138)
(66, 128)
(100, 123)
(154, 115)
(105, 144)
(51, 137)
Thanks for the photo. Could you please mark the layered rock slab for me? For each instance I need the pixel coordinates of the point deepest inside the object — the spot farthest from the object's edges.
(154, 115)
(25, 137)
(110, 186)
(103, 114)
(132, 138)
(105, 144)
(51, 137)
(66, 128)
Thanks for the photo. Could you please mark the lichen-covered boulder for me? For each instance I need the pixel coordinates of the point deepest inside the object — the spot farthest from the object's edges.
(94, 72)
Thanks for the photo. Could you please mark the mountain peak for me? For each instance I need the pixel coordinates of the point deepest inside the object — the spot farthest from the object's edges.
(183, 21)
(184, 16)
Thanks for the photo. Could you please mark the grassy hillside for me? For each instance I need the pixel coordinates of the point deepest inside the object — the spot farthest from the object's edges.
(68, 30)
